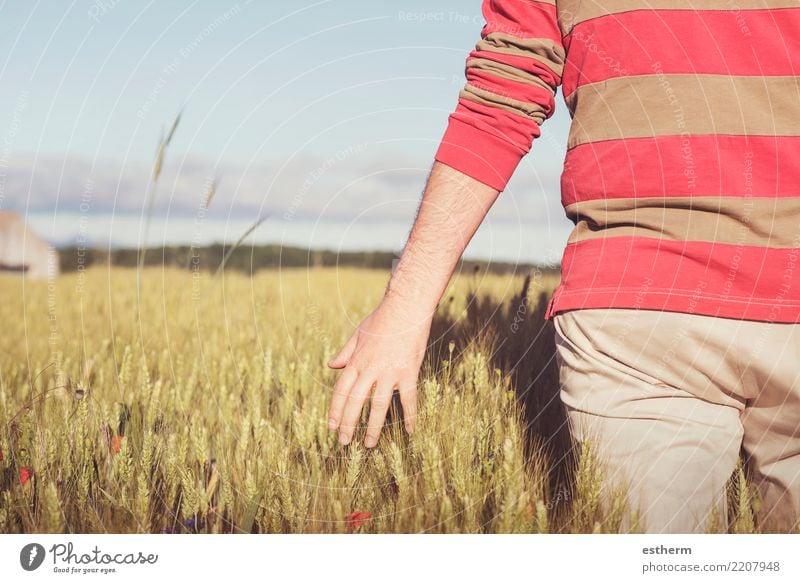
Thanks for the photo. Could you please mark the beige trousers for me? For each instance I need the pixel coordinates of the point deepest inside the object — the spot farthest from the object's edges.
(671, 399)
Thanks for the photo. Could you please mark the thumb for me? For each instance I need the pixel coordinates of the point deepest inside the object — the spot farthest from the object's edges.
(341, 359)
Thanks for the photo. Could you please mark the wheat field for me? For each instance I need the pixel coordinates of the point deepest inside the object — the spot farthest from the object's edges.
(165, 401)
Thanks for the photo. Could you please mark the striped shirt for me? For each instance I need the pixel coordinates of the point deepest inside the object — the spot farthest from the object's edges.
(682, 171)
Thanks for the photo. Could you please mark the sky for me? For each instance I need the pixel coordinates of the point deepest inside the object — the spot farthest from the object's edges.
(321, 116)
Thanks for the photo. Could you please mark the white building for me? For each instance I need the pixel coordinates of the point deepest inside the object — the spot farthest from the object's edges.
(22, 251)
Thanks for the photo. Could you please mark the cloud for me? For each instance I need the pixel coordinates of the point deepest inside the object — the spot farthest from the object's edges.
(351, 183)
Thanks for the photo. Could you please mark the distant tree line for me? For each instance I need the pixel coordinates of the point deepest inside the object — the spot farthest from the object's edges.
(249, 259)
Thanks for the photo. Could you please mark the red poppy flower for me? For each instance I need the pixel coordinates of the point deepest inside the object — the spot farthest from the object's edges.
(25, 474)
(356, 519)
(116, 444)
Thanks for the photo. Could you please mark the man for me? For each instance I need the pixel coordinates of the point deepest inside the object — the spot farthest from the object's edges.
(677, 317)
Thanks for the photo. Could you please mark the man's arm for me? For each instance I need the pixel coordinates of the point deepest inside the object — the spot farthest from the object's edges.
(387, 348)
(452, 208)
(511, 79)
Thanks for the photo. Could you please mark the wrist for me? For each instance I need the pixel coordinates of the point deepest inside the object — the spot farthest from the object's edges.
(417, 308)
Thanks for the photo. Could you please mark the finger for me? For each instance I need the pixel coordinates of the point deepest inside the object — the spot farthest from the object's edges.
(340, 393)
(341, 359)
(379, 406)
(355, 404)
(408, 399)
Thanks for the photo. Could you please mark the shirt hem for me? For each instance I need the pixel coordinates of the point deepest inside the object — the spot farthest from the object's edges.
(671, 300)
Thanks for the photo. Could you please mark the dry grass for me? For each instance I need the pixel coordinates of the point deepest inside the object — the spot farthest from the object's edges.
(198, 409)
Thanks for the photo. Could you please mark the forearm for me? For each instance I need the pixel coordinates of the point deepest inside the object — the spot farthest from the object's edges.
(452, 208)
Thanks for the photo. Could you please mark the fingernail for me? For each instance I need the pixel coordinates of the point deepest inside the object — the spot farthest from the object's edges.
(332, 423)
(343, 439)
(370, 442)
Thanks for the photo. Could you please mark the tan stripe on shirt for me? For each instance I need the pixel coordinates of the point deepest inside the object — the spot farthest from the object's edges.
(756, 221)
(573, 12)
(662, 105)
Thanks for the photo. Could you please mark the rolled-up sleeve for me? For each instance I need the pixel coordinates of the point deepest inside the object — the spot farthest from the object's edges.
(511, 80)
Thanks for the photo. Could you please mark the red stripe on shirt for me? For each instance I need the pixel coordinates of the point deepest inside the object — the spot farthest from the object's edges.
(632, 43)
(760, 283)
(707, 165)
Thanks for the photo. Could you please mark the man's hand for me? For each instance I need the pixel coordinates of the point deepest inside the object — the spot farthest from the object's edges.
(383, 354)
(386, 350)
